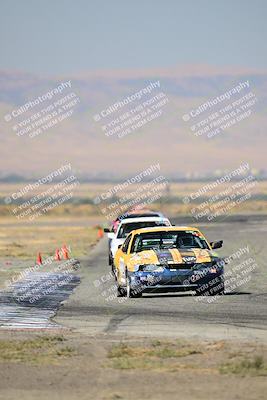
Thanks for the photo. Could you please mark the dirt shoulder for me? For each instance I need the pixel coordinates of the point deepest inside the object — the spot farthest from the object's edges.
(74, 366)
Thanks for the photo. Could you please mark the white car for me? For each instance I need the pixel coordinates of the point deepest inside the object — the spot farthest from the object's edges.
(128, 225)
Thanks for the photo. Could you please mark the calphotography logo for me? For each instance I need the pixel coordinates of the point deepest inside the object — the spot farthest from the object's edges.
(218, 199)
(223, 112)
(44, 112)
(37, 198)
(135, 193)
(133, 112)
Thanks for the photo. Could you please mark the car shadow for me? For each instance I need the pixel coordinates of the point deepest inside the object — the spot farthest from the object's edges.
(156, 295)
(237, 293)
(169, 295)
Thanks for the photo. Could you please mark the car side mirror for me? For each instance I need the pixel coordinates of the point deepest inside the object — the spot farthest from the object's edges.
(106, 230)
(216, 245)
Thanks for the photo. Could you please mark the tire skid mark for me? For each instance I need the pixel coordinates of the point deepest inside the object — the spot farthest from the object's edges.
(115, 322)
(33, 301)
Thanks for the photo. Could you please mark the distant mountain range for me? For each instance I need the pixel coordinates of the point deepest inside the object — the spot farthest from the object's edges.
(168, 139)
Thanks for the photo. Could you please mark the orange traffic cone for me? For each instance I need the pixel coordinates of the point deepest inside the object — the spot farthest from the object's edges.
(39, 259)
(57, 255)
(65, 252)
(100, 233)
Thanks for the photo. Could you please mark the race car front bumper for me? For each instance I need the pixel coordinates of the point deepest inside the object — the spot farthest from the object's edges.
(174, 280)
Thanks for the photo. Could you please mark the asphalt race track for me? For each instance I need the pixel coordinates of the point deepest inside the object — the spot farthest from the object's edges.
(241, 314)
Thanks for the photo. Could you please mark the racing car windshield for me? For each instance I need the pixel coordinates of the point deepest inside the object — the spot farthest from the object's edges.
(168, 240)
(125, 229)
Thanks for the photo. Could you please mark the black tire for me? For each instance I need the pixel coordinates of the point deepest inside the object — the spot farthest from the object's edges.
(113, 270)
(219, 292)
(212, 291)
(121, 292)
(130, 292)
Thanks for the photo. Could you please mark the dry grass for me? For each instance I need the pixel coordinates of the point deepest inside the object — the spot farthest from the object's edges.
(19, 244)
(172, 356)
(171, 202)
(24, 241)
(255, 366)
(157, 355)
(90, 190)
(40, 350)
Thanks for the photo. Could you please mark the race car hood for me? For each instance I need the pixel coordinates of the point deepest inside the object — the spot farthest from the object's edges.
(173, 256)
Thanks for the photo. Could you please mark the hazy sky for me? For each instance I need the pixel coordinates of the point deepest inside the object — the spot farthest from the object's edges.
(65, 36)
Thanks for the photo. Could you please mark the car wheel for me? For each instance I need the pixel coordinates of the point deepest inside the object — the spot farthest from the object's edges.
(219, 291)
(211, 291)
(130, 292)
(113, 270)
(121, 292)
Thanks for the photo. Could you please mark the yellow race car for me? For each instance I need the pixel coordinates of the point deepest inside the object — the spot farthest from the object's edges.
(166, 259)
